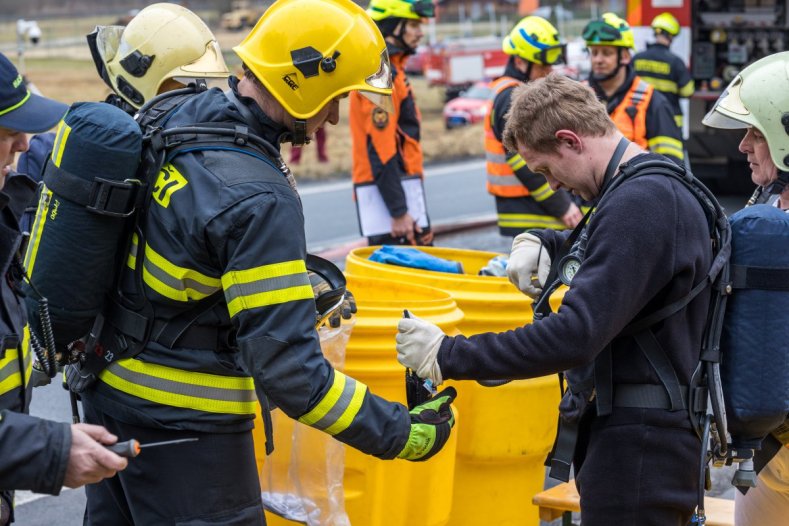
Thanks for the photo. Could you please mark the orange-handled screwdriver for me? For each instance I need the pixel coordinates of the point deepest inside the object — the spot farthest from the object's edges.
(131, 448)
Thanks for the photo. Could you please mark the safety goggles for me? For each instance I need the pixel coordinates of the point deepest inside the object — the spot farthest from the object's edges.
(600, 31)
(424, 8)
(552, 55)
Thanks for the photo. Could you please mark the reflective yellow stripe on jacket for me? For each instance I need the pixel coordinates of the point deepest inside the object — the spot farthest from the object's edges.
(170, 280)
(337, 409)
(266, 285)
(9, 365)
(187, 389)
(666, 146)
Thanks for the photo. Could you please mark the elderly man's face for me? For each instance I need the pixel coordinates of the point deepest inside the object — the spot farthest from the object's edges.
(11, 143)
(754, 145)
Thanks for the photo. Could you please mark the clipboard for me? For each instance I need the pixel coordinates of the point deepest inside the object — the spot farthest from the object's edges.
(374, 218)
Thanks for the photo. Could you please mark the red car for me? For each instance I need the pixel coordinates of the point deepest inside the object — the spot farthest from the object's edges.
(469, 108)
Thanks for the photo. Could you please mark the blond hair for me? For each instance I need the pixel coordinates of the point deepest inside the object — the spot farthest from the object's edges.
(542, 107)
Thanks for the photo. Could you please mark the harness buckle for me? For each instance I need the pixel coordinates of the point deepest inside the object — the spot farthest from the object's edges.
(114, 198)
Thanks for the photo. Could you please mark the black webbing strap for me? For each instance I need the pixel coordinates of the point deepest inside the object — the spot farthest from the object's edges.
(103, 196)
(603, 382)
(645, 396)
(182, 330)
(561, 458)
(761, 278)
(659, 361)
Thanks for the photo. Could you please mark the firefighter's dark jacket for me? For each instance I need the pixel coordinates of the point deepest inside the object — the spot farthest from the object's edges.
(662, 134)
(648, 246)
(227, 222)
(666, 71)
(33, 452)
(557, 203)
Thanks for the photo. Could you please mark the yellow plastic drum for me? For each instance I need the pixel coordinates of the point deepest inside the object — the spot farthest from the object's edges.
(395, 493)
(508, 430)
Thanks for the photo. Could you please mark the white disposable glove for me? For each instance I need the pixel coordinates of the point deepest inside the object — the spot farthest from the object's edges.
(529, 264)
(417, 346)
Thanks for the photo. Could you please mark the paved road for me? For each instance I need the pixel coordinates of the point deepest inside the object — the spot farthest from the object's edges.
(454, 194)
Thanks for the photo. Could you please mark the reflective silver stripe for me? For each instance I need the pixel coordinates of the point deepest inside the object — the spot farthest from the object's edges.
(640, 92)
(339, 408)
(11, 368)
(498, 158)
(504, 180)
(181, 388)
(265, 285)
(177, 284)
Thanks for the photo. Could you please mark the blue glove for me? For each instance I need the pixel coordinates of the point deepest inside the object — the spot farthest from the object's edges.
(411, 257)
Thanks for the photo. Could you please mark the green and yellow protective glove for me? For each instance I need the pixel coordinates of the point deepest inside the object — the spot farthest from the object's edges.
(431, 424)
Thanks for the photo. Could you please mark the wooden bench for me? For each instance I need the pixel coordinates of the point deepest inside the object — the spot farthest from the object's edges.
(562, 500)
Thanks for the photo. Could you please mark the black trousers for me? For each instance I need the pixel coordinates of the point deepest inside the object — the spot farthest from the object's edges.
(211, 481)
(387, 239)
(638, 474)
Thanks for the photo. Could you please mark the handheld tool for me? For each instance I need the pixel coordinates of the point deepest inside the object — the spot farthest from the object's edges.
(417, 390)
(131, 448)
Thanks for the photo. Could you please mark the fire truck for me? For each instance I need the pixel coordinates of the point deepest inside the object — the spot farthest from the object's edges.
(456, 64)
(718, 39)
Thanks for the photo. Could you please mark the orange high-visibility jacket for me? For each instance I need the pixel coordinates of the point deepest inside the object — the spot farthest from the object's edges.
(501, 179)
(631, 114)
(386, 146)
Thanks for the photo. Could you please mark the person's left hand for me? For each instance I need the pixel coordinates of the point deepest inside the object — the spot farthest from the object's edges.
(345, 311)
(417, 346)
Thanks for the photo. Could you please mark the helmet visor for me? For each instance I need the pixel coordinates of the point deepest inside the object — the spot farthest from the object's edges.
(381, 82)
(424, 8)
(600, 31)
(552, 55)
(729, 112)
(211, 64)
(103, 43)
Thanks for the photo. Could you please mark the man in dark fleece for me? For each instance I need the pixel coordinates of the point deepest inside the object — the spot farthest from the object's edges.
(647, 244)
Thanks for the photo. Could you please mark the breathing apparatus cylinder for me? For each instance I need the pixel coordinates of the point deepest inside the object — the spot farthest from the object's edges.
(754, 364)
(88, 194)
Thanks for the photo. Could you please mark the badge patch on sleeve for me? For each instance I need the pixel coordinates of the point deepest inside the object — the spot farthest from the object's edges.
(380, 118)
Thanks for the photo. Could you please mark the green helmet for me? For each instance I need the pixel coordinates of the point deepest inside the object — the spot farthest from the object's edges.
(609, 30)
(758, 97)
(413, 9)
(536, 40)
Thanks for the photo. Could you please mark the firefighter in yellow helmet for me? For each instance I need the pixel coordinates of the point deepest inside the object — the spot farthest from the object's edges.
(663, 69)
(642, 114)
(164, 47)
(524, 200)
(227, 296)
(386, 146)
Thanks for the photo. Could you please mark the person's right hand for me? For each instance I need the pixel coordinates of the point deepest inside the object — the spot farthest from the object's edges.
(403, 226)
(431, 424)
(89, 461)
(529, 264)
(572, 216)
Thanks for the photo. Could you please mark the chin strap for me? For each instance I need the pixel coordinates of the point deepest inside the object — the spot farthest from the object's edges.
(299, 136)
(778, 186)
(603, 78)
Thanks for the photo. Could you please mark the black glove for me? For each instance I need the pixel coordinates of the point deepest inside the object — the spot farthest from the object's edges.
(431, 424)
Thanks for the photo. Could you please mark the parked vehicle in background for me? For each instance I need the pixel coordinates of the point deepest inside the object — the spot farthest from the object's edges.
(416, 63)
(470, 107)
(456, 64)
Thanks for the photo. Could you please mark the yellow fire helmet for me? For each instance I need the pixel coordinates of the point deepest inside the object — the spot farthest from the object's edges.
(164, 41)
(306, 61)
(758, 97)
(609, 30)
(667, 23)
(413, 9)
(536, 40)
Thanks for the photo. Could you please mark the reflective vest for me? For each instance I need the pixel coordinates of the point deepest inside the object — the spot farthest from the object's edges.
(631, 114)
(501, 176)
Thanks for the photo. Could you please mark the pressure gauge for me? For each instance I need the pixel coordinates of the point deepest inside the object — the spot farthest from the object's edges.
(568, 267)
